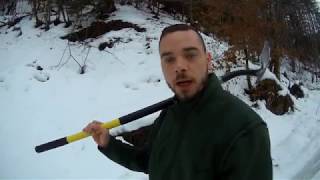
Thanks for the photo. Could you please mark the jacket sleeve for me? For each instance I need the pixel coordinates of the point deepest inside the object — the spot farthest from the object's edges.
(131, 157)
(249, 156)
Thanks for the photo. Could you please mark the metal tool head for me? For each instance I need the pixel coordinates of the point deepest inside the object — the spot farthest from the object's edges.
(264, 59)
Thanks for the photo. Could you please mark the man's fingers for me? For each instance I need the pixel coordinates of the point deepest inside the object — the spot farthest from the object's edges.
(96, 122)
(98, 133)
(93, 127)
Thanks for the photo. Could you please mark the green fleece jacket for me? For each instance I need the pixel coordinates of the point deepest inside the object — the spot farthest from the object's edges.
(212, 136)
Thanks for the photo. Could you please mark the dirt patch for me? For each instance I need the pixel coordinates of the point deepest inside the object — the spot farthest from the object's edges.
(99, 28)
(268, 90)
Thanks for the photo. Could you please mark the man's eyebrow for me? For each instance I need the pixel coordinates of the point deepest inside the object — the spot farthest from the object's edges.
(166, 54)
(190, 49)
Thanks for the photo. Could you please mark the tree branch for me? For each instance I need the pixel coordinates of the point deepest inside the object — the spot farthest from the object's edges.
(70, 55)
(107, 52)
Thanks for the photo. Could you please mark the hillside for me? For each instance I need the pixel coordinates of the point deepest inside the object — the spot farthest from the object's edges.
(44, 97)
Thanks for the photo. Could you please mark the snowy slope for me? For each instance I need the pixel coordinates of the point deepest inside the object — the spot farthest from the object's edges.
(40, 106)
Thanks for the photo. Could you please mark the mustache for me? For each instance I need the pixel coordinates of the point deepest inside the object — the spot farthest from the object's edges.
(182, 77)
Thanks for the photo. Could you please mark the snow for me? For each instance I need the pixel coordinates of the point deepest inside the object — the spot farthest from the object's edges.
(38, 106)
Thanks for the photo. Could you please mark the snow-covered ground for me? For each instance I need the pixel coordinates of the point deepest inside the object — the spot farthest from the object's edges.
(40, 106)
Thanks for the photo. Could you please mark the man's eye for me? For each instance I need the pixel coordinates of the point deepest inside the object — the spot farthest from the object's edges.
(169, 59)
(191, 55)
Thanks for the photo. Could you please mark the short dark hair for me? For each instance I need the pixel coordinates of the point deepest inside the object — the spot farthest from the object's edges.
(181, 27)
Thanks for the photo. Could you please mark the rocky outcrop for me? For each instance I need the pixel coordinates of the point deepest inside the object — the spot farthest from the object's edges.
(268, 90)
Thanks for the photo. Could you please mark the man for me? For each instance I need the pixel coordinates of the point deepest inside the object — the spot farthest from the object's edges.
(207, 133)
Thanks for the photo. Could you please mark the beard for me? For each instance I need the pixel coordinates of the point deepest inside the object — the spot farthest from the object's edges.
(188, 95)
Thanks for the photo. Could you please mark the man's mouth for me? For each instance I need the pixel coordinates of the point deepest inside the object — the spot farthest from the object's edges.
(183, 83)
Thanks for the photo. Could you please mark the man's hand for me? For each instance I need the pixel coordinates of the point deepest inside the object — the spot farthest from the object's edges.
(100, 135)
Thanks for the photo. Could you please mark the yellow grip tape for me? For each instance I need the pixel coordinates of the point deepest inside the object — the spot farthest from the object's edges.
(81, 135)
(111, 124)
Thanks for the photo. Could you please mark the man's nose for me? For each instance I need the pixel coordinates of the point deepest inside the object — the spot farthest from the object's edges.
(181, 64)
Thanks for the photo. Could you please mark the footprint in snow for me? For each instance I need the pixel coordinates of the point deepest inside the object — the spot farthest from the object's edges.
(1, 79)
(41, 76)
(131, 86)
(3, 84)
(152, 79)
(35, 65)
(83, 147)
(125, 175)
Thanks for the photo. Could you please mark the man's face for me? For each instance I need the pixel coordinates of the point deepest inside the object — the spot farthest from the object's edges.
(184, 63)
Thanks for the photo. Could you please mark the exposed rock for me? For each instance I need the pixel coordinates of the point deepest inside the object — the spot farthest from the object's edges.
(268, 90)
(103, 45)
(39, 68)
(109, 44)
(296, 91)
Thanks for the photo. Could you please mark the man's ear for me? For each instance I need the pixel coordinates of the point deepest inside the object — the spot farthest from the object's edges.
(209, 56)
(209, 62)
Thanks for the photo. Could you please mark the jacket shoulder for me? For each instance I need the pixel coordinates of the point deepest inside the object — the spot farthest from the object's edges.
(236, 109)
